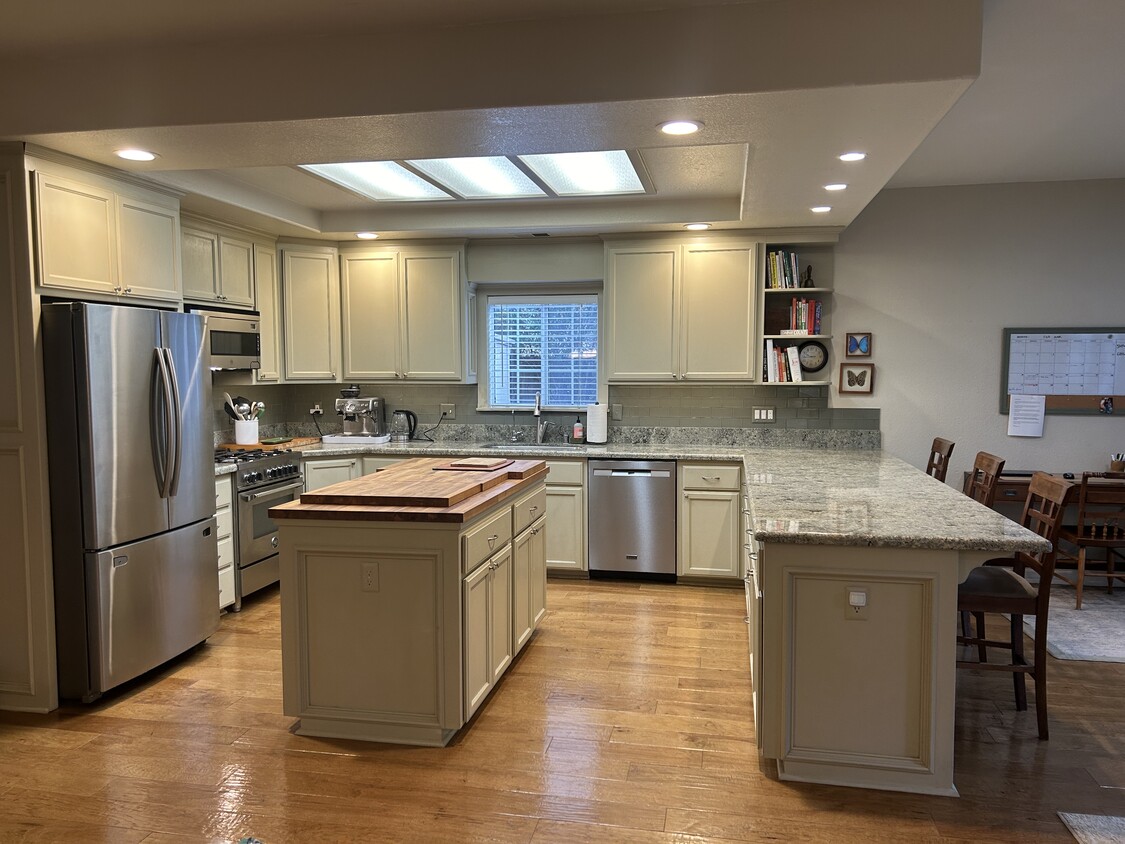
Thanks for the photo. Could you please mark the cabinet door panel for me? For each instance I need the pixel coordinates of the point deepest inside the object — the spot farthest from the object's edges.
(642, 315)
(266, 295)
(200, 256)
(149, 249)
(322, 473)
(709, 526)
(370, 316)
(311, 305)
(566, 541)
(521, 590)
(236, 271)
(718, 312)
(477, 638)
(538, 572)
(431, 291)
(77, 242)
(500, 609)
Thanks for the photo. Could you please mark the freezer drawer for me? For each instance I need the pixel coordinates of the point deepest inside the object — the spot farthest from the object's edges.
(150, 601)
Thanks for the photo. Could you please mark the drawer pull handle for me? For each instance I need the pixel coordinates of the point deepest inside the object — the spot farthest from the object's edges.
(492, 539)
(708, 478)
(1010, 493)
(533, 508)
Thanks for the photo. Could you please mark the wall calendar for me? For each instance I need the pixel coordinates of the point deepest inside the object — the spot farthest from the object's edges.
(1075, 368)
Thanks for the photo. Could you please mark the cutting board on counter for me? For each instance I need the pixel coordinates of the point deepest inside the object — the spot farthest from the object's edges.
(414, 483)
(296, 442)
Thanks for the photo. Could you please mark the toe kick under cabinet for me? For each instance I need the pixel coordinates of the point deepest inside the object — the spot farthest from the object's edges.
(396, 630)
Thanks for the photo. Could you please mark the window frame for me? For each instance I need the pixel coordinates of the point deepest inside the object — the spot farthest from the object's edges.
(534, 293)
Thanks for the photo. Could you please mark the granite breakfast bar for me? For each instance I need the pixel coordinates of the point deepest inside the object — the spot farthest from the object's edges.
(858, 696)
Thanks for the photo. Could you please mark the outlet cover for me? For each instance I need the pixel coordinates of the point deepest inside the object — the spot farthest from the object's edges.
(857, 603)
(615, 412)
(450, 411)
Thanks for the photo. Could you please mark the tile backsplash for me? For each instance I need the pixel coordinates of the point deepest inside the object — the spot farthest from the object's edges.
(656, 407)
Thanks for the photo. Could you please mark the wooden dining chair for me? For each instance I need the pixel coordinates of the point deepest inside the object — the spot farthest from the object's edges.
(981, 485)
(939, 458)
(1100, 527)
(1000, 586)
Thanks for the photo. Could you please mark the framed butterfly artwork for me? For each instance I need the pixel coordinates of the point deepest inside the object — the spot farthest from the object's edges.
(858, 345)
(856, 377)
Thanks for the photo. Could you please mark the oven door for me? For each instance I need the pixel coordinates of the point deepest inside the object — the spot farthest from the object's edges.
(257, 532)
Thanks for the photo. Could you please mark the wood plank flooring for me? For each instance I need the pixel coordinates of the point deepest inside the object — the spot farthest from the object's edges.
(626, 719)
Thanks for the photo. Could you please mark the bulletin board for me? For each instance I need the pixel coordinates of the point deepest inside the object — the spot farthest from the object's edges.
(1074, 368)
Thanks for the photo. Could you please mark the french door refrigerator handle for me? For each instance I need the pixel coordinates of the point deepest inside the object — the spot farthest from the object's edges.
(161, 433)
(177, 418)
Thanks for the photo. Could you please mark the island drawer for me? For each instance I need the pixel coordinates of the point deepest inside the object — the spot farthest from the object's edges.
(709, 476)
(482, 541)
(528, 509)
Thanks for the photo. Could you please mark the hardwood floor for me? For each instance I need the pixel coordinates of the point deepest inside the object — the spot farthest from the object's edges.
(626, 719)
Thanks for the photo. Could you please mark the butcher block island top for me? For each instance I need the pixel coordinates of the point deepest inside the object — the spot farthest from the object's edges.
(420, 490)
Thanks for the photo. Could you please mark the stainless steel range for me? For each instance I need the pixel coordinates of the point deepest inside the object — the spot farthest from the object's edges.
(262, 479)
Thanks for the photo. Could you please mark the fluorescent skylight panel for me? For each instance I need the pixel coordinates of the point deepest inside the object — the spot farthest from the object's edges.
(484, 177)
(381, 180)
(586, 173)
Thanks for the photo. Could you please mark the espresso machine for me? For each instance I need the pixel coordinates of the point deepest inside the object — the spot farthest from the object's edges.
(362, 417)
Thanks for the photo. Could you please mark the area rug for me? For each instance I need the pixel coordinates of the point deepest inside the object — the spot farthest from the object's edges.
(1095, 633)
(1094, 829)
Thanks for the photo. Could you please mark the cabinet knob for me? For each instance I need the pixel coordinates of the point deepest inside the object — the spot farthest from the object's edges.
(127, 290)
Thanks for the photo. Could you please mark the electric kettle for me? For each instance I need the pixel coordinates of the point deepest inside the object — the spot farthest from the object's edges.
(403, 425)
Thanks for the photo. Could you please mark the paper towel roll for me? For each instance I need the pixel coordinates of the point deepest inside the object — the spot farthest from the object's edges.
(597, 423)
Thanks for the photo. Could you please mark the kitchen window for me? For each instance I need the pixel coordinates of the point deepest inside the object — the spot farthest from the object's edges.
(546, 344)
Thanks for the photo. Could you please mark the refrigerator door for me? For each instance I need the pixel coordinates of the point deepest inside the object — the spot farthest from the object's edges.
(120, 407)
(192, 468)
(150, 601)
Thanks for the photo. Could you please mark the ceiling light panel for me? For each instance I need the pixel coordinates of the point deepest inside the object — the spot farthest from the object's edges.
(485, 177)
(381, 180)
(586, 173)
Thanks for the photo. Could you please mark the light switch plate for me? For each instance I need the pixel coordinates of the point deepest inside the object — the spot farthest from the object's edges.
(763, 415)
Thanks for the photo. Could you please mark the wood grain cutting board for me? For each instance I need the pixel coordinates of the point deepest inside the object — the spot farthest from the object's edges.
(414, 483)
(296, 442)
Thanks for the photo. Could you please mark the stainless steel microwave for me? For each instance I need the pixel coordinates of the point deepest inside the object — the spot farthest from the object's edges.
(234, 341)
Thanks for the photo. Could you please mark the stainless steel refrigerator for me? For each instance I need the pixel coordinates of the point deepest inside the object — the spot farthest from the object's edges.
(132, 490)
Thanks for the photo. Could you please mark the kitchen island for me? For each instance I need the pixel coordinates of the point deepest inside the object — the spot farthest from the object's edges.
(407, 593)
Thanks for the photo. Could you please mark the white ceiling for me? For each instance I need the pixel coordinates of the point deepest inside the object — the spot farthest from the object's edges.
(233, 95)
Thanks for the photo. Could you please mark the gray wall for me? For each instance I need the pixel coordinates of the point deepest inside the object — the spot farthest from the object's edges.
(937, 273)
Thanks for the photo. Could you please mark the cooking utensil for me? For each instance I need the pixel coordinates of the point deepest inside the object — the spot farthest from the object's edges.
(257, 409)
(232, 409)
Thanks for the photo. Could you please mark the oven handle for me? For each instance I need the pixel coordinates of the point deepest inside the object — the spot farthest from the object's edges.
(254, 496)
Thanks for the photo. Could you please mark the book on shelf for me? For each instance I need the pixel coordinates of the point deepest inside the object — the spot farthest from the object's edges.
(771, 362)
(794, 359)
(782, 271)
(794, 332)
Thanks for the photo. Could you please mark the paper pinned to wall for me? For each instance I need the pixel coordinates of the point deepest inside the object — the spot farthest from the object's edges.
(1025, 417)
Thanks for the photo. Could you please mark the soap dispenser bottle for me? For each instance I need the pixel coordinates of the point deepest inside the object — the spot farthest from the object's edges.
(578, 431)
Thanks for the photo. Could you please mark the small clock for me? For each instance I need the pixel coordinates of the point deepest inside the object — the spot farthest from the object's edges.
(813, 355)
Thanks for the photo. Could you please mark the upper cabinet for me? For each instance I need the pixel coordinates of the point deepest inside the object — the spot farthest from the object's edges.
(310, 307)
(109, 240)
(268, 295)
(406, 314)
(218, 265)
(681, 310)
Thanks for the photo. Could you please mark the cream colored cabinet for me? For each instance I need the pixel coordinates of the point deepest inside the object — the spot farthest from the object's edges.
(218, 265)
(326, 471)
(369, 464)
(709, 520)
(310, 304)
(565, 545)
(224, 517)
(529, 566)
(95, 236)
(679, 311)
(487, 601)
(268, 298)
(405, 315)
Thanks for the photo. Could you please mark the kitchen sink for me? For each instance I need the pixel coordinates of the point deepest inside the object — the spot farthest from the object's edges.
(521, 446)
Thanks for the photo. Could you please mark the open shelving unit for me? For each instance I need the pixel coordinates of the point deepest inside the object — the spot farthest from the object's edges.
(778, 304)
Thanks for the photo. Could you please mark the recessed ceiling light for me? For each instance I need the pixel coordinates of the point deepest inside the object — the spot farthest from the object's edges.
(366, 235)
(680, 127)
(821, 209)
(136, 154)
(853, 156)
(697, 227)
(835, 187)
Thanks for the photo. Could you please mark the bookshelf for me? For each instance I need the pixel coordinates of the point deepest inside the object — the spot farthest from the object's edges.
(791, 314)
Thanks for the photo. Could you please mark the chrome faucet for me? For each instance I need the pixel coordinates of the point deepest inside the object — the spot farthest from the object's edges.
(541, 425)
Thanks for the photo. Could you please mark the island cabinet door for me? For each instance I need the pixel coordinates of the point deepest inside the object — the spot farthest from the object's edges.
(477, 663)
(500, 597)
(538, 571)
(522, 623)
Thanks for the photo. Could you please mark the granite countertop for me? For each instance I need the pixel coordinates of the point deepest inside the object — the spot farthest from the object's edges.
(807, 496)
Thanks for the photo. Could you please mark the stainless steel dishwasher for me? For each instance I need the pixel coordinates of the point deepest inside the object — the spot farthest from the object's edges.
(632, 517)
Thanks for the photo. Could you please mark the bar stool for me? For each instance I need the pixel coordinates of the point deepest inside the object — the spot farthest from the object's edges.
(981, 487)
(999, 586)
(939, 458)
